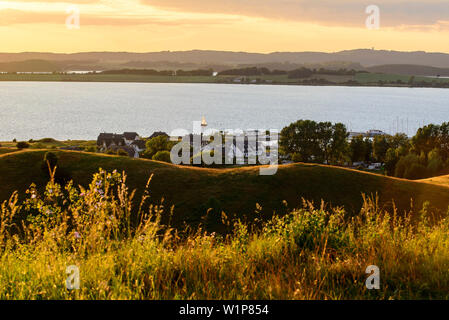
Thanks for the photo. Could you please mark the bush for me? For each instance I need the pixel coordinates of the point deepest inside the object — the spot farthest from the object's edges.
(122, 153)
(47, 140)
(156, 144)
(307, 254)
(162, 156)
(296, 157)
(22, 145)
(51, 159)
(416, 171)
(62, 176)
(412, 166)
(90, 149)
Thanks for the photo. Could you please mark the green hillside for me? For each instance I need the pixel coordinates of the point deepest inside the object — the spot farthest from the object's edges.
(236, 191)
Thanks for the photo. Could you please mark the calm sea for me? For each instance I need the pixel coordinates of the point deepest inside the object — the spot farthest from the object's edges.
(73, 110)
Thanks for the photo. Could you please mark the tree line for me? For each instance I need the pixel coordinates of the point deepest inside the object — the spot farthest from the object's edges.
(302, 72)
(152, 72)
(424, 155)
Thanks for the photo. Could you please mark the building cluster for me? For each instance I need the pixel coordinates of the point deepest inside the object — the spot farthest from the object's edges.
(130, 142)
(367, 134)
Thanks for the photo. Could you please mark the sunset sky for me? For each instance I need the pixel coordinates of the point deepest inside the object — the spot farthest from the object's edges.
(235, 25)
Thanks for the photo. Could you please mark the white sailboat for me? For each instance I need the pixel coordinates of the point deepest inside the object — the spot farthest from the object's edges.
(203, 122)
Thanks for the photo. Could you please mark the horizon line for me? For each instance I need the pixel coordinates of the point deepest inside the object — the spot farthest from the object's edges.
(228, 51)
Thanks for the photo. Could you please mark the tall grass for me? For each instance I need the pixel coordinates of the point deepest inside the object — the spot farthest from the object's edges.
(310, 253)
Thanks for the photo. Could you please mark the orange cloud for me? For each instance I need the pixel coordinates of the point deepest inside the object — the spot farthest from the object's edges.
(10, 17)
(324, 12)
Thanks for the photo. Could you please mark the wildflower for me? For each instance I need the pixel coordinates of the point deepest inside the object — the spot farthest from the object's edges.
(33, 196)
(82, 194)
(77, 235)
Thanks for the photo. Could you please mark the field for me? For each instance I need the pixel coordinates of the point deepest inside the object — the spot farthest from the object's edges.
(362, 78)
(365, 78)
(305, 251)
(48, 143)
(107, 78)
(236, 191)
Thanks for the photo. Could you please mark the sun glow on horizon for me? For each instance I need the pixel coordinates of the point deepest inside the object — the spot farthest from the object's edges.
(147, 25)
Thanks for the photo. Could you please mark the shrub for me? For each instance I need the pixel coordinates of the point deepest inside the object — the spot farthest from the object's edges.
(156, 144)
(22, 145)
(307, 254)
(122, 153)
(61, 175)
(51, 159)
(47, 140)
(405, 163)
(416, 171)
(162, 156)
(90, 149)
(296, 157)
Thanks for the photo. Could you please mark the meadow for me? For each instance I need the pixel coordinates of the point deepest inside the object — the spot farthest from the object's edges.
(360, 78)
(311, 252)
(191, 191)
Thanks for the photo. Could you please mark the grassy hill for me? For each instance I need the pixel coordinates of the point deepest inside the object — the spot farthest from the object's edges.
(236, 191)
(440, 180)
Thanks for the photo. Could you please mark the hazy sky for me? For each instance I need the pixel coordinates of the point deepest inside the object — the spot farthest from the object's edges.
(237, 25)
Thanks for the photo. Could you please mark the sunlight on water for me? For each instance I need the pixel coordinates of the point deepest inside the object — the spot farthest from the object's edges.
(64, 110)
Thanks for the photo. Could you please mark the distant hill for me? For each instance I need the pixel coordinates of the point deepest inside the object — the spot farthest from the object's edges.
(408, 69)
(203, 58)
(30, 66)
(236, 191)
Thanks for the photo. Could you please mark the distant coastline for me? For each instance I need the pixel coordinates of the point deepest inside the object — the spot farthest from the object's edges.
(358, 80)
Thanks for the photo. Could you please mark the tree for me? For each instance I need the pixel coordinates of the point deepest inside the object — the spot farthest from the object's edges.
(317, 142)
(300, 73)
(398, 140)
(443, 140)
(156, 144)
(324, 135)
(391, 159)
(162, 156)
(426, 139)
(339, 144)
(22, 145)
(357, 149)
(300, 137)
(435, 163)
(380, 147)
(410, 167)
